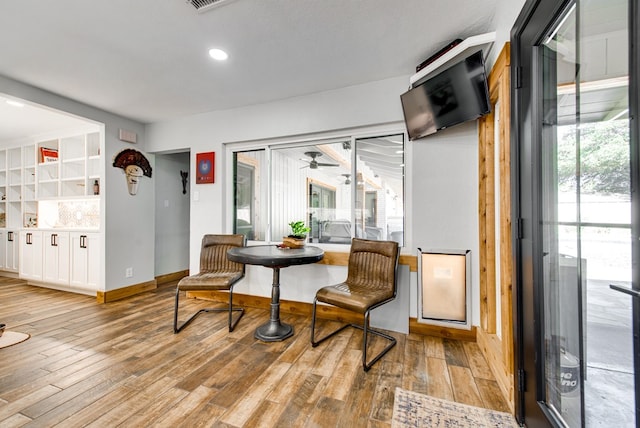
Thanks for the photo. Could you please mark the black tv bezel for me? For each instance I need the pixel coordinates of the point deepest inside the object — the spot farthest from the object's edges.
(432, 131)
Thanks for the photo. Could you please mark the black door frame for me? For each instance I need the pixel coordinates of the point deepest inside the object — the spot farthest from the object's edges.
(634, 135)
(536, 18)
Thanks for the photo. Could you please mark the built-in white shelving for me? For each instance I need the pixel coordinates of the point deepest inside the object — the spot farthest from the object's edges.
(74, 170)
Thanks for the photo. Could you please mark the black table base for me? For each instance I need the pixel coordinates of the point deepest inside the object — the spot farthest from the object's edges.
(274, 330)
(275, 258)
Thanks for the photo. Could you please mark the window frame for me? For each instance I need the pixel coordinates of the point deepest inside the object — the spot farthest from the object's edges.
(328, 137)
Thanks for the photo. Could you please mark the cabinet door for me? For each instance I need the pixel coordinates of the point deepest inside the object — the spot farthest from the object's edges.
(85, 260)
(93, 261)
(3, 249)
(56, 257)
(12, 246)
(31, 255)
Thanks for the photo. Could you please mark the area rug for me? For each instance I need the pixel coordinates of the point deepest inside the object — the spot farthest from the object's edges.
(411, 409)
(9, 338)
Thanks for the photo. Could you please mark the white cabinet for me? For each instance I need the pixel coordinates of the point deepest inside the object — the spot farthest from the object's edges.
(3, 248)
(12, 254)
(56, 257)
(8, 250)
(31, 255)
(85, 260)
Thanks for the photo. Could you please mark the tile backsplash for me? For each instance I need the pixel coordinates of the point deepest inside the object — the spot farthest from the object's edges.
(69, 214)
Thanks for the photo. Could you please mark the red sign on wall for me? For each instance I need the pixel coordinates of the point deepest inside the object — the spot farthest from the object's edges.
(205, 167)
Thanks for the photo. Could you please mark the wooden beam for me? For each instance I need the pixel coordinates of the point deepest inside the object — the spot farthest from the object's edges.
(495, 230)
(335, 258)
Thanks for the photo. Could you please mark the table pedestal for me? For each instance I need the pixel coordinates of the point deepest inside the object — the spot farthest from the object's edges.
(274, 330)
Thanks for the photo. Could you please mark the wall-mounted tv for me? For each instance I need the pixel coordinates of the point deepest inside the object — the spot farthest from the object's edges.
(453, 96)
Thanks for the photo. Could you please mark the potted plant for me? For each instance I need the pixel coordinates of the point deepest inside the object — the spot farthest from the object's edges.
(298, 235)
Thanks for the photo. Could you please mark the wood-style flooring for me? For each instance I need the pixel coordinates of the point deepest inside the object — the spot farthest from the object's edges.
(119, 364)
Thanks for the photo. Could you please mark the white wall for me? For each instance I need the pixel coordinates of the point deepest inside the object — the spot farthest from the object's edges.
(442, 179)
(445, 183)
(442, 185)
(506, 13)
(128, 220)
(172, 214)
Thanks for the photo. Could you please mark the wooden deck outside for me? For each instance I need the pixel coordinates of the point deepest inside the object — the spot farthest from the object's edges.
(119, 364)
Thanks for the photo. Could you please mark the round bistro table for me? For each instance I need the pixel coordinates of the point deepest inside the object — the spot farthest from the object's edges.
(275, 258)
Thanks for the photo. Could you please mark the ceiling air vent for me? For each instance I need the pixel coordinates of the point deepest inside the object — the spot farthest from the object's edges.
(205, 5)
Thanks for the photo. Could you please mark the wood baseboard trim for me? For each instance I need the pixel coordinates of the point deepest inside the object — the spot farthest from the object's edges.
(170, 277)
(286, 306)
(440, 331)
(121, 293)
(328, 312)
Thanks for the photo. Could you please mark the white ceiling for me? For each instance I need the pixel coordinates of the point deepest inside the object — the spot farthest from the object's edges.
(147, 59)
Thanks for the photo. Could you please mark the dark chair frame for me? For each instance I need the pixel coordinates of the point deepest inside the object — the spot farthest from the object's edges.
(365, 327)
(230, 309)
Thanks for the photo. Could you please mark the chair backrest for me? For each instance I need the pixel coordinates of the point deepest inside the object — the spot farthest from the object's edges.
(213, 253)
(374, 264)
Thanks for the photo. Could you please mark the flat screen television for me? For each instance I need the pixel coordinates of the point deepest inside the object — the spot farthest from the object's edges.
(456, 95)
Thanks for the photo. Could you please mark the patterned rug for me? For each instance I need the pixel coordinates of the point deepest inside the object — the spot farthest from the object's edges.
(9, 338)
(411, 409)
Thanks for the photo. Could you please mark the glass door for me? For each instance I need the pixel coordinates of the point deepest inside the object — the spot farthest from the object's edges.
(578, 146)
(586, 213)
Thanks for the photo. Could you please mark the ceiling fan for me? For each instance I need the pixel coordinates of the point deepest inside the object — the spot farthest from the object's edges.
(313, 163)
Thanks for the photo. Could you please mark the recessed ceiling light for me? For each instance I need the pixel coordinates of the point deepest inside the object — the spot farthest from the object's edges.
(218, 54)
(15, 103)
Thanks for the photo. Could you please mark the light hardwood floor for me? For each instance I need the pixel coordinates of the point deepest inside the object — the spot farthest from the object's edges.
(119, 364)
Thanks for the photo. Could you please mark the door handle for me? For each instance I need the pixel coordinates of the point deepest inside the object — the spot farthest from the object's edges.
(629, 291)
(10, 236)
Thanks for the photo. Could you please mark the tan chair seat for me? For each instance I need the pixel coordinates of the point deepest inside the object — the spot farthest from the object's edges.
(352, 297)
(209, 281)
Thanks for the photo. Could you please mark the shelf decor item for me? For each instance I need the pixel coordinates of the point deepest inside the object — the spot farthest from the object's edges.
(30, 220)
(48, 155)
(298, 235)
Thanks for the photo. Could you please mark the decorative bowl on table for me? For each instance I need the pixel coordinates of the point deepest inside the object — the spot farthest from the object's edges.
(292, 242)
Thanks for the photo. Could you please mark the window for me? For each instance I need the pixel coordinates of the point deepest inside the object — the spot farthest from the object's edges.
(340, 188)
(249, 194)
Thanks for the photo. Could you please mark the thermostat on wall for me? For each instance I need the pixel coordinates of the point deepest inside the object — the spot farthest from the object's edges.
(128, 136)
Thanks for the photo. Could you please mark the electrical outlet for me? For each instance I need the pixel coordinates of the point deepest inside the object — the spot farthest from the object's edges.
(129, 272)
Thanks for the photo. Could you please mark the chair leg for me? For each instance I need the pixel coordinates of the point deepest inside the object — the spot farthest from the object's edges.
(230, 310)
(365, 340)
(315, 342)
(366, 329)
(232, 324)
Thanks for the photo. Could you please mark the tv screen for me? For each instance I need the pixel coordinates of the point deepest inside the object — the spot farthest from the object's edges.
(451, 97)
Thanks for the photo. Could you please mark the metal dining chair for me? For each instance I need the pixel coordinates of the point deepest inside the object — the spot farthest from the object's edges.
(216, 273)
(371, 282)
